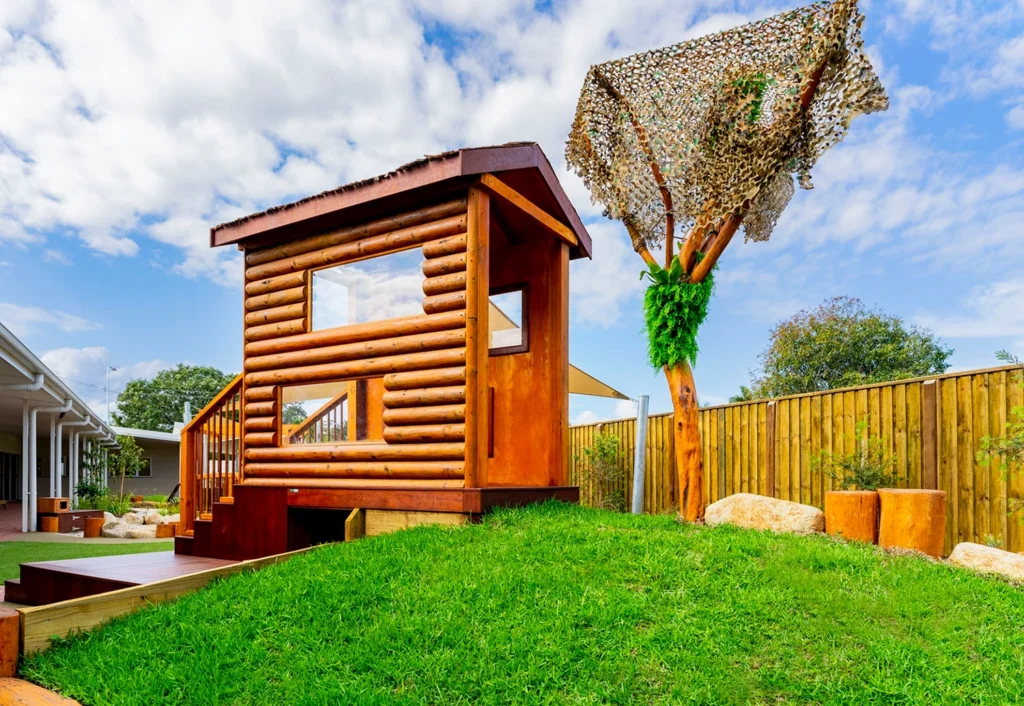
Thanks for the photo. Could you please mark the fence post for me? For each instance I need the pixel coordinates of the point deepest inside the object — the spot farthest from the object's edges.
(770, 447)
(640, 455)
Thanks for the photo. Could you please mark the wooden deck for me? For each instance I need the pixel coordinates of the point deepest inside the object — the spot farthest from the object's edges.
(52, 581)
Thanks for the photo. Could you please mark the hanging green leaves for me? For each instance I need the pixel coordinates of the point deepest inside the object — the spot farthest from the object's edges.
(674, 309)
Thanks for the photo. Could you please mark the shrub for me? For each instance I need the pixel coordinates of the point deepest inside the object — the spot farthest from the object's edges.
(601, 469)
(1007, 449)
(869, 466)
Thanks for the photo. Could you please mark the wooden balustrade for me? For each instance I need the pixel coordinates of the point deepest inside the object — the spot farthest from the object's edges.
(211, 454)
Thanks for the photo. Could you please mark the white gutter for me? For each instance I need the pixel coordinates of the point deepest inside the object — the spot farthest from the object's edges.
(37, 382)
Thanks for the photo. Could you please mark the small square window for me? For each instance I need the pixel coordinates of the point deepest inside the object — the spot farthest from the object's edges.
(508, 319)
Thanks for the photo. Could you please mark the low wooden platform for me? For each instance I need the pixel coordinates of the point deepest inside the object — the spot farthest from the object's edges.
(52, 581)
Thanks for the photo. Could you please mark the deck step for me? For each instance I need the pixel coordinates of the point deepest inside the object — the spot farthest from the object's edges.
(14, 592)
(183, 545)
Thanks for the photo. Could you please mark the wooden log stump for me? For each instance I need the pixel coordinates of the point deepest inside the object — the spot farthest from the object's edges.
(913, 519)
(10, 629)
(852, 515)
(49, 523)
(166, 530)
(93, 527)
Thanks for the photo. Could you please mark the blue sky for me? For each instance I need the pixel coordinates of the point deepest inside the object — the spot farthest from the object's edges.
(126, 133)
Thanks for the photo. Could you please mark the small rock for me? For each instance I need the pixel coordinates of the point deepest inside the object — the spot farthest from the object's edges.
(114, 530)
(141, 532)
(989, 560)
(132, 518)
(153, 518)
(109, 517)
(758, 512)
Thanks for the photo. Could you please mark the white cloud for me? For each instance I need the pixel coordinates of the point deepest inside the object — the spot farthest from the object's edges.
(989, 311)
(24, 320)
(55, 256)
(622, 409)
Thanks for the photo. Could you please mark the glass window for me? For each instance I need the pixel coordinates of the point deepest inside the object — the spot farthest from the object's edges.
(333, 412)
(380, 288)
(509, 330)
(147, 469)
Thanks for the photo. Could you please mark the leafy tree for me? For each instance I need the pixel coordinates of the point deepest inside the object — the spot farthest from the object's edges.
(158, 403)
(127, 460)
(842, 343)
(293, 413)
(1009, 358)
(745, 395)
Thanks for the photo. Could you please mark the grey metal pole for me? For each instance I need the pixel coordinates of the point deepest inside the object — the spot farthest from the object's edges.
(640, 455)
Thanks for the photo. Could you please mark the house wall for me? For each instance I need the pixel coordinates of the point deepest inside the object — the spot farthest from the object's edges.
(421, 358)
(166, 467)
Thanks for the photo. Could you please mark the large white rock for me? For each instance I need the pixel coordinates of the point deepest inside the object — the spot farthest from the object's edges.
(109, 517)
(141, 532)
(114, 530)
(132, 518)
(989, 560)
(758, 512)
(154, 518)
(172, 518)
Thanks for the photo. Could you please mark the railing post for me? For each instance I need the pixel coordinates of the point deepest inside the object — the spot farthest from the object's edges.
(640, 455)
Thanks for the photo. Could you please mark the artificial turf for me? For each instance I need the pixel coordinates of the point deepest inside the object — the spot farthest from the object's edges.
(561, 604)
(14, 554)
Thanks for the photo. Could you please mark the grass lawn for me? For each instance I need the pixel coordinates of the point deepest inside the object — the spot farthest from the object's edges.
(12, 554)
(561, 604)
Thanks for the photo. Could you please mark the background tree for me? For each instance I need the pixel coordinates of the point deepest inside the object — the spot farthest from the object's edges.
(744, 395)
(158, 403)
(293, 413)
(842, 343)
(127, 460)
(1008, 358)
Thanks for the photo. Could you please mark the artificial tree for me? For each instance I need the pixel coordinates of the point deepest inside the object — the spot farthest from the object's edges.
(708, 134)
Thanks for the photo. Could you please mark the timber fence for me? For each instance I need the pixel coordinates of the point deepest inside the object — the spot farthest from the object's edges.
(932, 426)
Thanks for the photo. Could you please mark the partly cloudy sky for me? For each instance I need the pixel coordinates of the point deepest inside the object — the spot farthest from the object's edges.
(127, 129)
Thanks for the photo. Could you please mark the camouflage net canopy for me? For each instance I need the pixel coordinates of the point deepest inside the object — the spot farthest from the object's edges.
(716, 126)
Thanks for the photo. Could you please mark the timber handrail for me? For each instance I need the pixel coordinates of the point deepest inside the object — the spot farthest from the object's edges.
(211, 453)
(324, 424)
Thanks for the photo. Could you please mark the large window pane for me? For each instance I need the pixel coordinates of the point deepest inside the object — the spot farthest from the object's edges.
(508, 327)
(380, 288)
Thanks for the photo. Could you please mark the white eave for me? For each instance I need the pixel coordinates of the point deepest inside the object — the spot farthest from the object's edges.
(147, 434)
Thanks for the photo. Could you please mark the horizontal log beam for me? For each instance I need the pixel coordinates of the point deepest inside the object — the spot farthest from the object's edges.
(443, 284)
(275, 284)
(360, 249)
(359, 351)
(445, 246)
(436, 470)
(453, 301)
(356, 452)
(260, 438)
(282, 328)
(404, 326)
(364, 230)
(260, 424)
(426, 433)
(425, 378)
(388, 484)
(440, 414)
(273, 299)
(444, 265)
(260, 394)
(359, 368)
(398, 399)
(278, 313)
(261, 409)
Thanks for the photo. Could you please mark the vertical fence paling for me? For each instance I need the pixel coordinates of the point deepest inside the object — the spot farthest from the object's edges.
(211, 454)
(933, 426)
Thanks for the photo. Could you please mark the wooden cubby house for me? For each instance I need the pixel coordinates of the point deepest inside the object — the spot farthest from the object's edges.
(405, 354)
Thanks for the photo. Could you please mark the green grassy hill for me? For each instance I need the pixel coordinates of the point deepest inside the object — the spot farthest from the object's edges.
(561, 604)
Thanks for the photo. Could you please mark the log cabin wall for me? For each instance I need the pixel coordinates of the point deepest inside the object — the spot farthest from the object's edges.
(530, 387)
(416, 366)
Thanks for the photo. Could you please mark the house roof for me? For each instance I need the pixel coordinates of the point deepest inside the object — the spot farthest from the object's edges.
(167, 436)
(522, 165)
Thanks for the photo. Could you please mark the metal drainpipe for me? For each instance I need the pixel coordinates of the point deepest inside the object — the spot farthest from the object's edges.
(73, 456)
(33, 455)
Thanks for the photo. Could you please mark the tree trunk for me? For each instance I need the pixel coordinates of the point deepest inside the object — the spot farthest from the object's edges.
(689, 463)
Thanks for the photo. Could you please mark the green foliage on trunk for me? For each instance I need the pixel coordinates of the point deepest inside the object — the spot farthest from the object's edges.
(842, 343)
(158, 403)
(674, 309)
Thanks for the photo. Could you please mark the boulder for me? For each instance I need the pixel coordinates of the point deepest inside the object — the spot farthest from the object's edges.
(173, 518)
(153, 517)
(109, 517)
(758, 512)
(132, 518)
(114, 530)
(141, 532)
(989, 560)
